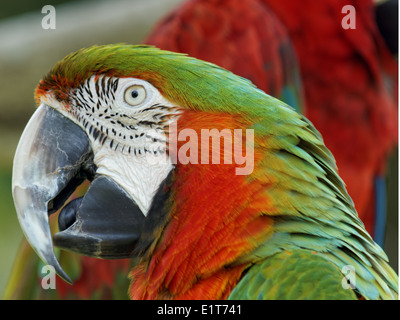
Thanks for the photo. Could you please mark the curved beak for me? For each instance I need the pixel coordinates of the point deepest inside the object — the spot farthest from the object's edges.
(53, 157)
(45, 172)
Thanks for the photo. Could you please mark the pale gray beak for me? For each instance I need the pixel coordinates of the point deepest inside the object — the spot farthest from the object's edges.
(53, 158)
(45, 172)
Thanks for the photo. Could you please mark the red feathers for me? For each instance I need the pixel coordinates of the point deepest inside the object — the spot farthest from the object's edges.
(232, 228)
(343, 73)
(241, 36)
(96, 280)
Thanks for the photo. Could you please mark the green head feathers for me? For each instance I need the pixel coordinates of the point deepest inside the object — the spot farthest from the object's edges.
(184, 80)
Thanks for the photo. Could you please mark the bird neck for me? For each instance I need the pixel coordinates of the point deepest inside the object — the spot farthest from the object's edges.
(215, 223)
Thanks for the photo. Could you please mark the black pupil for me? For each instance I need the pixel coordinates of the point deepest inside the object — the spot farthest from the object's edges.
(134, 94)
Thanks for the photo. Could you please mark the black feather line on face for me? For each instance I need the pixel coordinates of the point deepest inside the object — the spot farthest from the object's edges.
(96, 105)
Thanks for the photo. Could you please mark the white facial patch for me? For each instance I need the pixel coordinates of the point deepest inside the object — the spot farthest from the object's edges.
(126, 120)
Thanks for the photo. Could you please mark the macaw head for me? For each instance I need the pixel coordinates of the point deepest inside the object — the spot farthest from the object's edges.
(105, 114)
(144, 126)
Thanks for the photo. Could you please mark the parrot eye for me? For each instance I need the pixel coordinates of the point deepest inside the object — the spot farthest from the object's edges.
(135, 95)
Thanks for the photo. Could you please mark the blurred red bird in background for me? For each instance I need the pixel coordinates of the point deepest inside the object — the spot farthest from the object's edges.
(245, 37)
(349, 76)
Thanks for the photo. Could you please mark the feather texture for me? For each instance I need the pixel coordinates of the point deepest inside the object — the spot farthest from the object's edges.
(220, 224)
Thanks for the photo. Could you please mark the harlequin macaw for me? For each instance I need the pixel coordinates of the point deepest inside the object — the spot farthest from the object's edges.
(273, 68)
(276, 223)
(343, 73)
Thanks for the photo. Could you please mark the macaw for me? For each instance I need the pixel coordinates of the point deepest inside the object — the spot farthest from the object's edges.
(344, 73)
(273, 68)
(276, 223)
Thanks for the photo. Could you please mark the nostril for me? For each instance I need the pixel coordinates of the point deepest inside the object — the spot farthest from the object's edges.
(67, 215)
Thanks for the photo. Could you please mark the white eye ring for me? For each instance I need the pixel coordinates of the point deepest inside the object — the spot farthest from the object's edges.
(135, 95)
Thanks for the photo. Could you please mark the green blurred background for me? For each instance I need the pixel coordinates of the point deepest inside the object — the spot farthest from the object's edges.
(27, 51)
